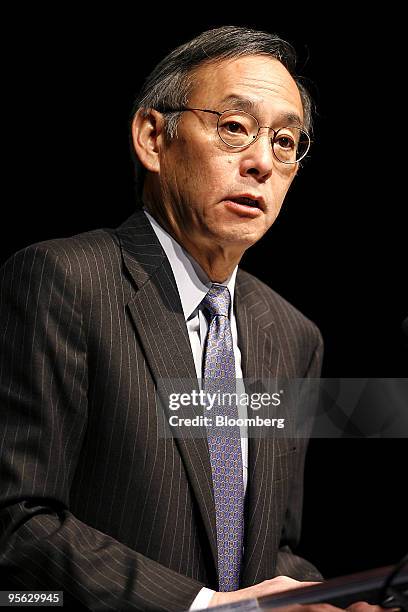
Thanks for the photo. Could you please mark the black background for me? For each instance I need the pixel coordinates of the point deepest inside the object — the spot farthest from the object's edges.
(337, 251)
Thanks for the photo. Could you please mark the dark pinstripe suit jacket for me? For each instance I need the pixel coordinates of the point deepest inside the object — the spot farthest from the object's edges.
(92, 500)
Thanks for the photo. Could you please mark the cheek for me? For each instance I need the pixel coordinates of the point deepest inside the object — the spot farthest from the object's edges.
(215, 176)
(280, 186)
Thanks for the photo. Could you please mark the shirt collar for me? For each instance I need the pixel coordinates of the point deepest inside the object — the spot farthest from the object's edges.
(191, 280)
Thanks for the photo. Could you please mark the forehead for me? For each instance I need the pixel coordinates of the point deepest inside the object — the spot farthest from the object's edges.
(261, 79)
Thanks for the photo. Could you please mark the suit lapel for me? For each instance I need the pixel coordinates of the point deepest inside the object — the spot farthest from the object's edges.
(158, 318)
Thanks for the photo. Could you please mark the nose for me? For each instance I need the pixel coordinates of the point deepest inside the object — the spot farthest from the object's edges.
(258, 159)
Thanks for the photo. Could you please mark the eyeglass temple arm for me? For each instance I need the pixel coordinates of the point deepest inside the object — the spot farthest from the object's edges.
(188, 108)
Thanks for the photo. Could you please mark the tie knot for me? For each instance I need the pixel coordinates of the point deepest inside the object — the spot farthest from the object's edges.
(217, 301)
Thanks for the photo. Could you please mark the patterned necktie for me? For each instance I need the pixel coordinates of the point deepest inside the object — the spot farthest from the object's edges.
(224, 445)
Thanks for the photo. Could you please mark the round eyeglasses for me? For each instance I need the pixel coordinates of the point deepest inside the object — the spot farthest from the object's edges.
(237, 128)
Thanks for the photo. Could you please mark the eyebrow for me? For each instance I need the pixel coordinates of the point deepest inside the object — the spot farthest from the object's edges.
(248, 105)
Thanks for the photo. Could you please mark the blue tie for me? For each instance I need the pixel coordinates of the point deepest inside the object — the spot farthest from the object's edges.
(224, 444)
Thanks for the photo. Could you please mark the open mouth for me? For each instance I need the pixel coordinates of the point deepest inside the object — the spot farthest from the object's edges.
(246, 202)
(245, 206)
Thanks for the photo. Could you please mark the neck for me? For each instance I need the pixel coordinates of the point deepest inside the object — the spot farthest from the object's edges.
(217, 260)
(217, 263)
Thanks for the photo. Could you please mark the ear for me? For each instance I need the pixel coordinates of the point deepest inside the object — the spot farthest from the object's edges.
(148, 135)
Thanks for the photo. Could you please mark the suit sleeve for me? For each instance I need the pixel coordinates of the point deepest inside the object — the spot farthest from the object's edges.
(43, 416)
(289, 564)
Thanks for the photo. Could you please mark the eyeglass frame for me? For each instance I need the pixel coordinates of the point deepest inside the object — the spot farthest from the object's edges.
(275, 132)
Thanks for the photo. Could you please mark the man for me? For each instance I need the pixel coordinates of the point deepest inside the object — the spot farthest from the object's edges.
(94, 500)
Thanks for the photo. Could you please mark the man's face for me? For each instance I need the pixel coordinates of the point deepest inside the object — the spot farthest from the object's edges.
(200, 176)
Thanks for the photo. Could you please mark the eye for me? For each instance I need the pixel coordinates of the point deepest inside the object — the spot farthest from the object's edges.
(286, 142)
(234, 127)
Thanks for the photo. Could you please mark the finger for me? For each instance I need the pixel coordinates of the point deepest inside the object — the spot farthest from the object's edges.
(363, 606)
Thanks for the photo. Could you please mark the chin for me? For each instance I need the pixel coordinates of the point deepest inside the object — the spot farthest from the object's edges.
(238, 236)
(244, 229)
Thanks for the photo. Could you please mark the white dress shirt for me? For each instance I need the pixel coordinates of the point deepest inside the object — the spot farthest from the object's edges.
(193, 284)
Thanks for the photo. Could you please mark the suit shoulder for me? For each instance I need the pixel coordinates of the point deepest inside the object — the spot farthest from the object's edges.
(71, 254)
(272, 308)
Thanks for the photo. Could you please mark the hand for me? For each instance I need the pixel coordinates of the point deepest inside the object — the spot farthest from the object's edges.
(267, 587)
(363, 606)
(284, 583)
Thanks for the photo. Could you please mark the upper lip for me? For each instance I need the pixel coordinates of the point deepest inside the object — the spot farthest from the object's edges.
(259, 199)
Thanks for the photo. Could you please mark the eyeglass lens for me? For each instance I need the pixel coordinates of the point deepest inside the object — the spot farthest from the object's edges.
(238, 129)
